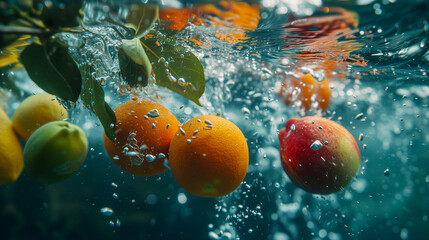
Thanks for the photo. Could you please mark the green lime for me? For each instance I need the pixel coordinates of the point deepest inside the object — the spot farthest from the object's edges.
(55, 151)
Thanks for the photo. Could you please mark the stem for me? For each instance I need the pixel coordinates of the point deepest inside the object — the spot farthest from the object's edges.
(26, 18)
(24, 31)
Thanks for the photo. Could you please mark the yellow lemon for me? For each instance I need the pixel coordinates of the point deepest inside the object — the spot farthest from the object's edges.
(36, 111)
(11, 162)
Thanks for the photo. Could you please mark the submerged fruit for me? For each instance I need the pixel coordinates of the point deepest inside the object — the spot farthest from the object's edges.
(306, 93)
(55, 151)
(11, 163)
(36, 111)
(143, 133)
(209, 156)
(318, 154)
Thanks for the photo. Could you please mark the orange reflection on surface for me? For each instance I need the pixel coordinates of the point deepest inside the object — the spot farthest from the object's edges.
(319, 40)
(237, 17)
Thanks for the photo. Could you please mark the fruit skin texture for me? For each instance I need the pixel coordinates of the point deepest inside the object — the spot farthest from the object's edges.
(214, 162)
(55, 151)
(36, 111)
(133, 118)
(310, 91)
(11, 160)
(323, 171)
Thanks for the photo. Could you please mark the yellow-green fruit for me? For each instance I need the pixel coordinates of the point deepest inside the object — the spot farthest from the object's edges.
(55, 151)
(36, 111)
(11, 163)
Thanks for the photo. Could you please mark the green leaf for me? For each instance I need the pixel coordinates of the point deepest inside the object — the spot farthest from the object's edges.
(93, 98)
(176, 68)
(141, 18)
(52, 68)
(134, 63)
(62, 13)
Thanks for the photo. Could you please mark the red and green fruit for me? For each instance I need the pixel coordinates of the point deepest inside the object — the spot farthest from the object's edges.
(318, 155)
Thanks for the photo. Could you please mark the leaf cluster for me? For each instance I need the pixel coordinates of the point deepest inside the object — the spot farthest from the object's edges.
(50, 65)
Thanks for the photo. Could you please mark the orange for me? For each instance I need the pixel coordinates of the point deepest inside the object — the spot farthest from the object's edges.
(209, 156)
(307, 91)
(143, 133)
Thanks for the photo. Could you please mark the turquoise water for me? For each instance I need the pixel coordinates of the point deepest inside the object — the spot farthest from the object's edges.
(386, 100)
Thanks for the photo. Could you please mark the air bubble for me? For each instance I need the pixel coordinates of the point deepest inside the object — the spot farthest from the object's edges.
(245, 110)
(386, 172)
(106, 211)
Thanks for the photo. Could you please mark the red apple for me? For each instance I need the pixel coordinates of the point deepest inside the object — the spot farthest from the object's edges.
(319, 155)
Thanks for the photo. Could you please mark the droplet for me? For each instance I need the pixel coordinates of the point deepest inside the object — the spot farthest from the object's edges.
(188, 141)
(143, 147)
(181, 81)
(161, 155)
(292, 127)
(132, 154)
(316, 145)
(150, 157)
(208, 122)
(360, 137)
(106, 211)
(172, 78)
(166, 164)
(114, 185)
(195, 132)
(364, 146)
(118, 223)
(111, 224)
(115, 196)
(153, 126)
(326, 143)
(153, 113)
(182, 131)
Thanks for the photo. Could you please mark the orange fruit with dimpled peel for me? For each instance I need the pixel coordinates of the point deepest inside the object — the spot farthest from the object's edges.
(307, 91)
(143, 133)
(209, 156)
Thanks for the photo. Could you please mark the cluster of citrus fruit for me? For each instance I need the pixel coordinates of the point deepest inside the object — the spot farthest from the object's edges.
(54, 149)
(208, 155)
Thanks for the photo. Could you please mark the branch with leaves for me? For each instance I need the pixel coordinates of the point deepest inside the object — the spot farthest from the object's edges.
(49, 64)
